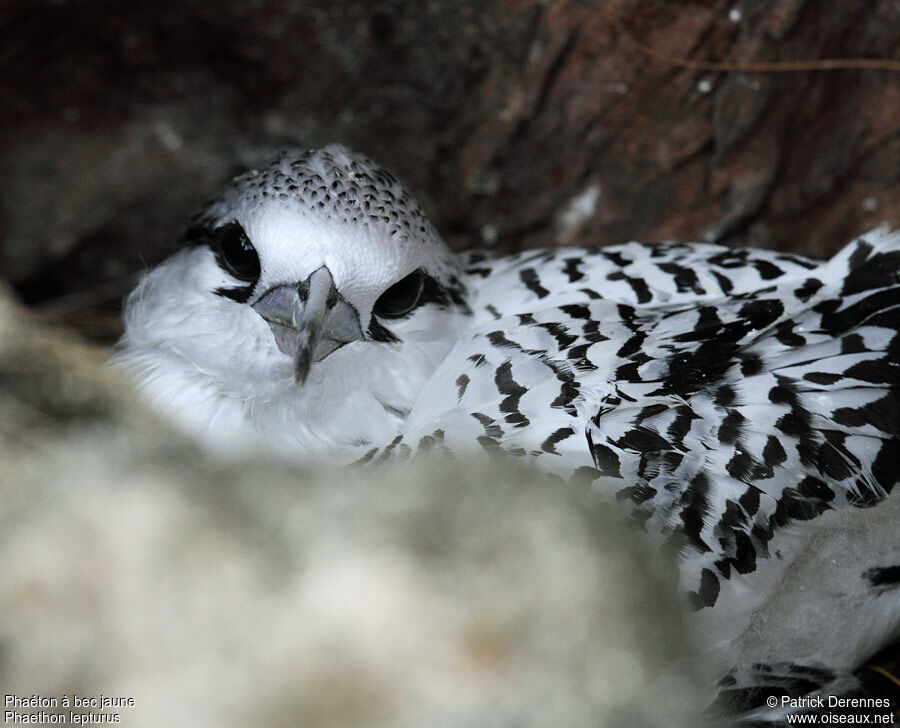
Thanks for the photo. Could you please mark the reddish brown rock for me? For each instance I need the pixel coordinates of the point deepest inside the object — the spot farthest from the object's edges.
(519, 123)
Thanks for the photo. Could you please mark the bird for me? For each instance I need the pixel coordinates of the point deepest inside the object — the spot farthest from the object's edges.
(730, 400)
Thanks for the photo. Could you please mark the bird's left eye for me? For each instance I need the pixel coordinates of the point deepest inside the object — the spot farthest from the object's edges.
(402, 297)
(237, 253)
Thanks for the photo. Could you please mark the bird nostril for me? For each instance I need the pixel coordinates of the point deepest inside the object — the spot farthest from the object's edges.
(303, 290)
(332, 298)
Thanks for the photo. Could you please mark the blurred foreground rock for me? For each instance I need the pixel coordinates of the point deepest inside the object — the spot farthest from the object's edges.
(258, 595)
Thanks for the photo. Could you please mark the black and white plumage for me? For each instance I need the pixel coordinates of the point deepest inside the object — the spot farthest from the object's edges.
(727, 398)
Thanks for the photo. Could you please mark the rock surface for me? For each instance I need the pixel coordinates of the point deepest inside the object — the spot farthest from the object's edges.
(519, 123)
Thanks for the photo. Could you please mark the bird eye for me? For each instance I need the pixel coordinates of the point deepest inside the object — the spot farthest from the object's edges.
(402, 297)
(237, 253)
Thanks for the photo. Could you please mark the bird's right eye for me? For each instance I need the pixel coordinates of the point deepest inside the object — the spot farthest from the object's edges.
(236, 253)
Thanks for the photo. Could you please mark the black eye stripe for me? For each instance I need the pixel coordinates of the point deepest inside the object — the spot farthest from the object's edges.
(444, 295)
(241, 294)
(234, 254)
(196, 234)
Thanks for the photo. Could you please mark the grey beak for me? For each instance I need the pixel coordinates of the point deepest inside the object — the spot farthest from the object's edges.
(310, 319)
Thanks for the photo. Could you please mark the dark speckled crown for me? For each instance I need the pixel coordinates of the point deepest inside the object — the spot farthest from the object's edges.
(333, 182)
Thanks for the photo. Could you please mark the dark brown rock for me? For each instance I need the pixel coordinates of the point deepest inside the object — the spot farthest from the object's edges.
(519, 123)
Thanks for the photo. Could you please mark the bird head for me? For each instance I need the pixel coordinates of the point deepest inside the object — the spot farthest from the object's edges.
(315, 282)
